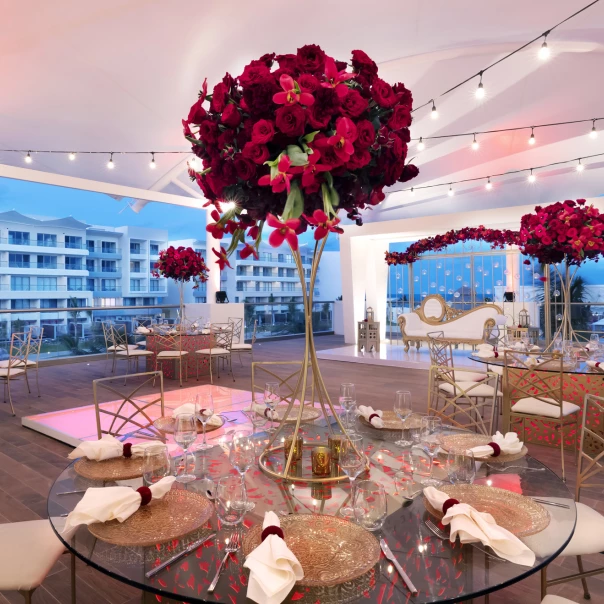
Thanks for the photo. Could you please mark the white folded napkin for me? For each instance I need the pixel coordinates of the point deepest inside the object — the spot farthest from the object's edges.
(471, 526)
(111, 503)
(264, 411)
(486, 351)
(508, 445)
(274, 569)
(596, 365)
(367, 412)
(189, 408)
(108, 447)
(141, 329)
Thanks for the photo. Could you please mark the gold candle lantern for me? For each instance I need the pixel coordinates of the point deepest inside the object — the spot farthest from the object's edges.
(298, 446)
(320, 491)
(321, 461)
(335, 442)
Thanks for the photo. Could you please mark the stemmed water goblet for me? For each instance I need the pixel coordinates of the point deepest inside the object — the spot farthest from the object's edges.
(370, 505)
(242, 456)
(156, 464)
(204, 412)
(271, 399)
(402, 408)
(255, 418)
(185, 433)
(430, 442)
(352, 463)
(230, 500)
(594, 344)
(461, 465)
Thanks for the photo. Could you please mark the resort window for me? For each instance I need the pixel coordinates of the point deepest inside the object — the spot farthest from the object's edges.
(90, 265)
(73, 263)
(47, 240)
(109, 285)
(154, 249)
(49, 303)
(108, 247)
(73, 242)
(108, 266)
(135, 248)
(18, 260)
(19, 304)
(18, 238)
(135, 285)
(75, 284)
(47, 261)
(135, 266)
(47, 284)
(90, 245)
(19, 284)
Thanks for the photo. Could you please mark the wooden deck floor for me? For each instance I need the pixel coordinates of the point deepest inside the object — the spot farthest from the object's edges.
(29, 463)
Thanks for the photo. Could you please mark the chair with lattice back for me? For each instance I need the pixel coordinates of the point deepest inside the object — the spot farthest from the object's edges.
(221, 342)
(588, 537)
(15, 365)
(124, 351)
(237, 329)
(286, 374)
(246, 347)
(535, 383)
(130, 413)
(168, 347)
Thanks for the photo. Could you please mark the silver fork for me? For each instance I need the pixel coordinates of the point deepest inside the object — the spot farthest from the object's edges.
(231, 548)
(442, 535)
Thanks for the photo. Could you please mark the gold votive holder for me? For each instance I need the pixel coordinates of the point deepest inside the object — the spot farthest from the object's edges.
(334, 442)
(298, 447)
(321, 461)
(320, 491)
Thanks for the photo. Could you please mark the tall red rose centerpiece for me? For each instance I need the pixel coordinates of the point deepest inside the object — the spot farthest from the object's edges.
(183, 264)
(292, 143)
(563, 235)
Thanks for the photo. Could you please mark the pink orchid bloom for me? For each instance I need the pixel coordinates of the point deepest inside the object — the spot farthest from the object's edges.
(323, 225)
(223, 259)
(284, 231)
(247, 251)
(335, 78)
(281, 182)
(290, 96)
(346, 134)
(311, 170)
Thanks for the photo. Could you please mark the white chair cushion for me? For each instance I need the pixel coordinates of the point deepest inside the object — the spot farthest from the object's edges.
(588, 537)
(534, 406)
(30, 550)
(13, 372)
(18, 364)
(552, 599)
(498, 369)
(213, 351)
(133, 353)
(171, 354)
(241, 346)
(470, 388)
(121, 347)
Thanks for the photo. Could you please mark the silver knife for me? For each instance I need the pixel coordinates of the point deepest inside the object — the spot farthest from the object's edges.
(388, 553)
(178, 556)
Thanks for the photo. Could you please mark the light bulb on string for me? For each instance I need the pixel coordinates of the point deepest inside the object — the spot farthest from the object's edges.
(480, 91)
(544, 50)
(475, 145)
(110, 164)
(593, 133)
(28, 158)
(152, 163)
(434, 113)
(489, 185)
(532, 137)
(580, 166)
(72, 156)
(421, 145)
(532, 178)
(451, 191)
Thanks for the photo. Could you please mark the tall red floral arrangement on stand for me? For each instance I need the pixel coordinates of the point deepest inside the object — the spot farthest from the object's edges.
(183, 264)
(293, 142)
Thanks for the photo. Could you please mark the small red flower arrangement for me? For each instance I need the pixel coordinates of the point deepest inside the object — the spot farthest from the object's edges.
(497, 239)
(181, 264)
(568, 230)
(294, 135)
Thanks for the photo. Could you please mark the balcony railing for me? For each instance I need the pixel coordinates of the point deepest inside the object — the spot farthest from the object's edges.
(41, 243)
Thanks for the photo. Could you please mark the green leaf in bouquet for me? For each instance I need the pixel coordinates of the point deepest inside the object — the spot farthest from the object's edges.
(294, 206)
(296, 155)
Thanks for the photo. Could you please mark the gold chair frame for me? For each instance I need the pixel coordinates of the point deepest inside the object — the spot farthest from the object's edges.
(171, 343)
(34, 347)
(270, 368)
(542, 380)
(237, 328)
(105, 385)
(221, 336)
(122, 350)
(249, 350)
(17, 360)
(589, 464)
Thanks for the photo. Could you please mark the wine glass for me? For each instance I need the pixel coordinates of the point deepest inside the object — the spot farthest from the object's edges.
(430, 442)
(230, 500)
(242, 456)
(594, 343)
(185, 433)
(156, 464)
(461, 465)
(414, 421)
(347, 400)
(271, 397)
(402, 408)
(370, 505)
(352, 463)
(256, 419)
(404, 477)
(204, 411)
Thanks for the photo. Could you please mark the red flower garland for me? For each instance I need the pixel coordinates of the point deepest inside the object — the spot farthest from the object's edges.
(181, 264)
(497, 239)
(307, 136)
(567, 230)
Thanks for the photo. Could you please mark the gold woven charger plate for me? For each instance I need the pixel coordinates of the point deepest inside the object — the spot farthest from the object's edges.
(166, 424)
(118, 468)
(309, 414)
(469, 441)
(520, 515)
(390, 419)
(331, 550)
(177, 514)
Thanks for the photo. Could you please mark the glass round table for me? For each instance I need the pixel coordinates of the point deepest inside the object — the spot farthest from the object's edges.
(441, 571)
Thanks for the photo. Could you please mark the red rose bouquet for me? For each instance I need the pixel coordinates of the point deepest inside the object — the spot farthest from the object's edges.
(294, 140)
(181, 264)
(566, 231)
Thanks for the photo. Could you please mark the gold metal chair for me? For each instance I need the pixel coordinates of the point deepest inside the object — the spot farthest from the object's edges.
(534, 382)
(588, 537)
(245, 347)
(286, 373)
(15, 366)
(129, 412)
(31, 363)
(441, 353)
(221, 341)
(123, 351)
(237, 329)
(169, 348)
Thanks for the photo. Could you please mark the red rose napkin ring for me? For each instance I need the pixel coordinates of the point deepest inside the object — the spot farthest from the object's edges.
(272, 530)
(372, 416)
(146, 495)
(496, 449)
(449, 503)
(127, 450)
